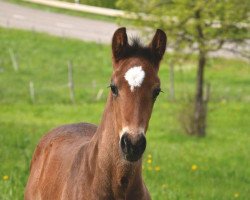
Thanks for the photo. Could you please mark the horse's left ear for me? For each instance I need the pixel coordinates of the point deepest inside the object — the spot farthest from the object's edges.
(158, 45)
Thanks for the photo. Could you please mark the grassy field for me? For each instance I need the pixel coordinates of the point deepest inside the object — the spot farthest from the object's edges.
(176, 166)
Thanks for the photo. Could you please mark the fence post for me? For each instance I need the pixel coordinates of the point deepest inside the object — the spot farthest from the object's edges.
(32, 92)
(13, 59)
(99, 94)
(71, 82)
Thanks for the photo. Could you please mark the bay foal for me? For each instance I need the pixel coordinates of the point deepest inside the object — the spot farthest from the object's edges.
(86, 162)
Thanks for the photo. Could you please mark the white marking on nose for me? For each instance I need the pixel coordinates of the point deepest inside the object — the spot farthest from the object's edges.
(125, 129)
(128, 130)
(135, 77)
(142, 130)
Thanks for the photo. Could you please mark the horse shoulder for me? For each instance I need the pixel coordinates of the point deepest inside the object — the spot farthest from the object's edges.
(53, 158)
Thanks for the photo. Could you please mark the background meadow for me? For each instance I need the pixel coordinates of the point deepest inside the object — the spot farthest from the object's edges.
(176, 166)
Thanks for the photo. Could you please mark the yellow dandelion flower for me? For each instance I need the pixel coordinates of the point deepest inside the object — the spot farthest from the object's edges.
(5, 178)
(149, 156)
(236, 195)
(149, 161)
(157, 168)
(164, 186)
(194, 167)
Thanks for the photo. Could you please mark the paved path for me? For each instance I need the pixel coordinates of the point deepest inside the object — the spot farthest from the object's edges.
(16, 16)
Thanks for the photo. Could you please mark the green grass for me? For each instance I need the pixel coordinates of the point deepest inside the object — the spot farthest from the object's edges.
(222, 157)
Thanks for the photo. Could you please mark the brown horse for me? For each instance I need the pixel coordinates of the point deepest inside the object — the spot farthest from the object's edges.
(86, 162)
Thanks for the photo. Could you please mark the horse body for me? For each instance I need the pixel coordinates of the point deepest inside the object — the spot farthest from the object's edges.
(69, 163)
(86, 162)
(52, 161)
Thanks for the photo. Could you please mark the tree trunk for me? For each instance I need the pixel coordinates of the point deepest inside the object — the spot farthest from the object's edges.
(171, 79)
(200, 106)
(199, 109)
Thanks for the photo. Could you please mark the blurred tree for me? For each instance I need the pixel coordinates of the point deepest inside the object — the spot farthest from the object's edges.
(202, 26)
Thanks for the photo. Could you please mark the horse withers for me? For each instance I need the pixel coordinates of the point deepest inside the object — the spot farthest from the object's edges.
(87, 162)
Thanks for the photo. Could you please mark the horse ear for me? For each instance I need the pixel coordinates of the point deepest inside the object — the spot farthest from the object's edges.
(119, 43)
(158, 44)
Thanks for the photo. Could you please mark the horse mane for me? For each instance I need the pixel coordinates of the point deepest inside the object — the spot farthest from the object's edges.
(137, 49)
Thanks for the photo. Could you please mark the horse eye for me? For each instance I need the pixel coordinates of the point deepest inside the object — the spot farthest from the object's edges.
(114, 89)
(156, 92)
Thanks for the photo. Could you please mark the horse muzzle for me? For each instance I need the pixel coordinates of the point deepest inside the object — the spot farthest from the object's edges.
(132, 146)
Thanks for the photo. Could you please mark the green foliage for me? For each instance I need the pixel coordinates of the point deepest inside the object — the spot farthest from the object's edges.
(220, 21)
(181, 167)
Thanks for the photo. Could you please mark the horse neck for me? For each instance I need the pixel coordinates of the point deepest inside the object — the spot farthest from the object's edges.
(106, 140)
(107, 137)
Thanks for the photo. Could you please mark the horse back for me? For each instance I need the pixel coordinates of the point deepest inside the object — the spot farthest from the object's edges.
(53, 158)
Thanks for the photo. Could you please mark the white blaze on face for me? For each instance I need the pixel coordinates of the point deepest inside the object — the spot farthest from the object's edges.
(126, 129)
(135, 77)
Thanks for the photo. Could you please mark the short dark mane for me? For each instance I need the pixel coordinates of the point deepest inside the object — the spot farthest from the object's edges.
(136, 42)
(137, 49)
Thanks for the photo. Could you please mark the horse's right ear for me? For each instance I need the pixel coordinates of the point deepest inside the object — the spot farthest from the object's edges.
(119, 43)
(158, 44)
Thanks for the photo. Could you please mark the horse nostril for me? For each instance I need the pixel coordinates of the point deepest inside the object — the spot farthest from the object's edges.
(142, 143)
(124, 143)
